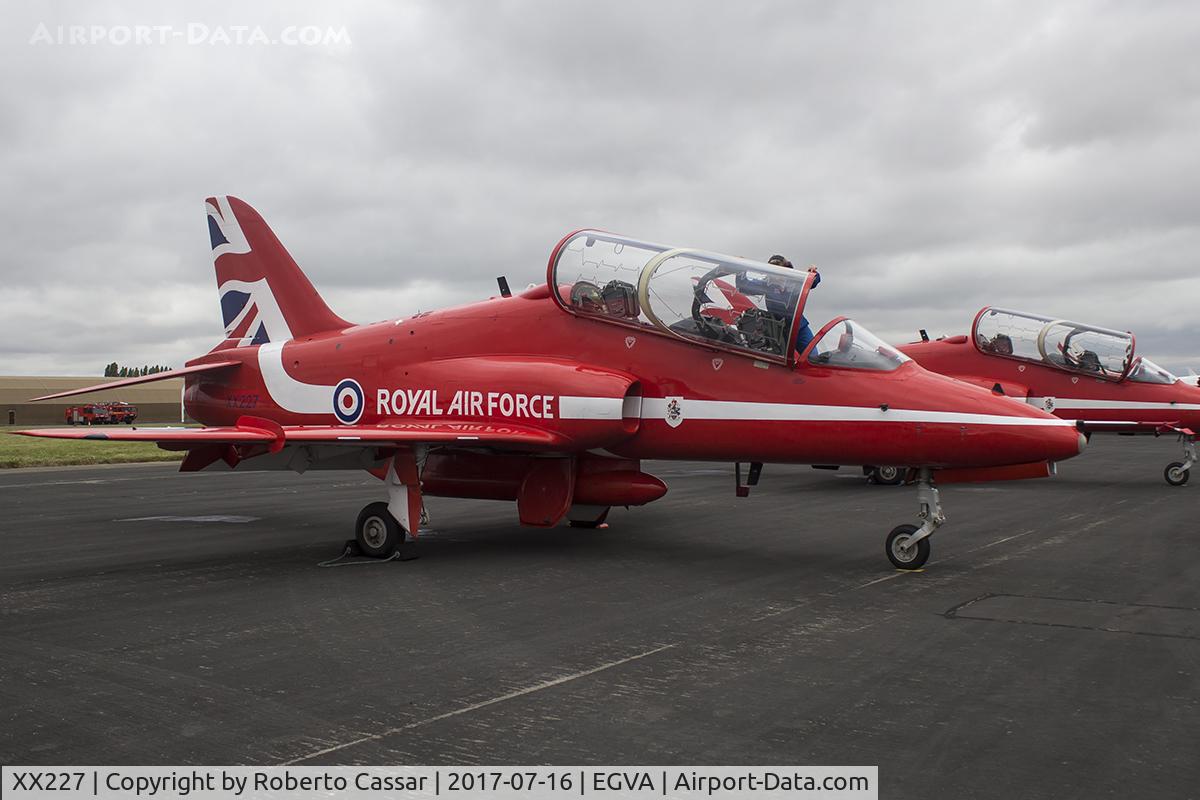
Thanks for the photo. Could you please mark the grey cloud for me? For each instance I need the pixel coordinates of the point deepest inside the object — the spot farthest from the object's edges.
(931, 157)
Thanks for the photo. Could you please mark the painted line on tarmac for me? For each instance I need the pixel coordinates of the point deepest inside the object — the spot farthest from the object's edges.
(476, 706)
(891, 577)
(139, 478)
(204, 518)
(993, 544)
(92, 481)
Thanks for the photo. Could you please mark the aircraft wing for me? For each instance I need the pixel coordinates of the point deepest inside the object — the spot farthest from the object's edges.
(164, 436)
(251, 430)
(158, 376)
(1131, 426)
(481, 433)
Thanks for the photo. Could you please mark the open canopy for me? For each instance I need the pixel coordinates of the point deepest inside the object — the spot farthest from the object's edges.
(1060, 343)
(726, 302)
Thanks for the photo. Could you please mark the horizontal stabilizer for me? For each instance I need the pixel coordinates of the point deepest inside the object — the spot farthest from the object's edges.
(158, 376)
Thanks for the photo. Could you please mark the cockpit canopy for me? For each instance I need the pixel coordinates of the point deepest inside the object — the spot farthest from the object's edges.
(1060, 343)
(720, 301)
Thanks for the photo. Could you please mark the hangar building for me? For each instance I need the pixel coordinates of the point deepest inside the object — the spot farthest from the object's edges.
(157, 402)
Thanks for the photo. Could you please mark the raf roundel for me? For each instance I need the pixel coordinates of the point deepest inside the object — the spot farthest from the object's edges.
(348, 401)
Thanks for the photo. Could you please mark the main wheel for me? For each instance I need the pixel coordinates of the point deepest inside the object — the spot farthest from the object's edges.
(887, 476)
(1175, 474)
(902, 556)
(377, 532)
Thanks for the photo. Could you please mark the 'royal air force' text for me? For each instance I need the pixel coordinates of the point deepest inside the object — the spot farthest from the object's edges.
(425, 402)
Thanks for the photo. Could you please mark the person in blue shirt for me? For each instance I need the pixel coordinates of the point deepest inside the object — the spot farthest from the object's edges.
(780, 299)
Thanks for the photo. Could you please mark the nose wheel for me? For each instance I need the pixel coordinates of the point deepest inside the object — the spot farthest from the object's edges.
(1177, 472)
(907, 546)
(903, 552)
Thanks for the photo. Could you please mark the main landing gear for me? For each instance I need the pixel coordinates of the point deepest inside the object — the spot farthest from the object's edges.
(907, 546)
(377, 533)
(885, 476)
(382, 528)
(1177, 472)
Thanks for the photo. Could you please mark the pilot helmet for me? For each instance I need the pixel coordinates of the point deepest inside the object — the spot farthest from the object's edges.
(780, 261)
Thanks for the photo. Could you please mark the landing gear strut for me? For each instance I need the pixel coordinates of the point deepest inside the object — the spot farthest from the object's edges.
(588, 516)
(907, 546)
(1177, 472)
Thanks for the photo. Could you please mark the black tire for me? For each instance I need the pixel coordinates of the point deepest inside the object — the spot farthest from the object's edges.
(1175, 475)
(912, 559)
(377, 532)
(887, 476)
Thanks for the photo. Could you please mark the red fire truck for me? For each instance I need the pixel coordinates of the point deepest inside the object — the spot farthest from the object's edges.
(121, 413)
(90, 414)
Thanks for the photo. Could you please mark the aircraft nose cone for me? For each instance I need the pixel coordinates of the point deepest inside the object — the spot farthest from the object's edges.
(1061, 442)
(1033, 435)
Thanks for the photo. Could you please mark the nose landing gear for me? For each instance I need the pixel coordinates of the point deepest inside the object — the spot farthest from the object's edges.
(907, 546)
(1177, 472)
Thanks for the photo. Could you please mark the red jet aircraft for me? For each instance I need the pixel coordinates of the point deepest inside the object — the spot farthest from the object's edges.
(553, 397)
(1079, 372)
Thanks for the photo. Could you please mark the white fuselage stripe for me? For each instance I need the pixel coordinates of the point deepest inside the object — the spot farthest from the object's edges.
(307, 398)
(590, 407)
(694, 409)
(614, 408)
(656, 408)
(1113, 405)
(287, 392)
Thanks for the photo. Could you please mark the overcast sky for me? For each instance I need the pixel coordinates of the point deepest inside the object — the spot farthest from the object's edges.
(930, 158)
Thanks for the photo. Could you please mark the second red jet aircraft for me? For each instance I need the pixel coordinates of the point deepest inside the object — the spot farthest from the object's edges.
(1089, 375)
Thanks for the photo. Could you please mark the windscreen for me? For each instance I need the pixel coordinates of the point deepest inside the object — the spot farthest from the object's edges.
(848, 344)
(1146, 371)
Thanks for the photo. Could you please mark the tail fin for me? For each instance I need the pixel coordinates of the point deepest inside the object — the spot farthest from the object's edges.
(264, 295)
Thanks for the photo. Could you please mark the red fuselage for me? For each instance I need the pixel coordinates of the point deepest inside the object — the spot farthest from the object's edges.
(1111, 405)
(524, 360)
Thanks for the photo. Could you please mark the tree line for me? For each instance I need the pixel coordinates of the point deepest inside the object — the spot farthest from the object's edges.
(114, 370)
